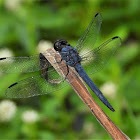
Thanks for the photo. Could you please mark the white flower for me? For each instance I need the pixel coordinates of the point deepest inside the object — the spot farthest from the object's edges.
(89, 128)
(137, 137)
(109, 89)
(7, 110)
(5, 52)
(12, 4)
(30, 116)
(44, 45)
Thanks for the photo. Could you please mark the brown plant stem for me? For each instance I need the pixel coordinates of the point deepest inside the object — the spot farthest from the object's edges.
(79, 87)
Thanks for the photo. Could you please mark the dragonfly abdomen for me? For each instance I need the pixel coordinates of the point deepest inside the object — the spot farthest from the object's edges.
(92, 86)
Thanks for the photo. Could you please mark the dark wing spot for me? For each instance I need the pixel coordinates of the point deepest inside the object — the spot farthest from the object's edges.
(115, 37)
(12, 85)
(96, 14)
(2, 58)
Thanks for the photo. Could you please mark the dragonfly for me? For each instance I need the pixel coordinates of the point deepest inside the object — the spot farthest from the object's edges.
(85, 58)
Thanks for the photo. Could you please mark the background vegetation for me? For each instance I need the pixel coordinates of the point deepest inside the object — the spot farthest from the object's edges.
(25, 25)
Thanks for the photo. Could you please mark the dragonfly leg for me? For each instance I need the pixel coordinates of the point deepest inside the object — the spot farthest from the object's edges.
(67, 72)
(60, 61)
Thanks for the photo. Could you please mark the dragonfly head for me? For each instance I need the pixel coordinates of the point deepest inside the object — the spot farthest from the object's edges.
(59, 44)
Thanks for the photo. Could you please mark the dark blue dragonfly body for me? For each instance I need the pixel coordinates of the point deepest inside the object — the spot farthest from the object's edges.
(49, 80)
(72, 58)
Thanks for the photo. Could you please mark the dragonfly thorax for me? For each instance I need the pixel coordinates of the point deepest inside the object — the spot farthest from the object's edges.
(70, 55)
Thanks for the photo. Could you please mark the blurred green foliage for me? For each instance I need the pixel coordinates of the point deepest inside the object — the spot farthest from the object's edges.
(62, 115)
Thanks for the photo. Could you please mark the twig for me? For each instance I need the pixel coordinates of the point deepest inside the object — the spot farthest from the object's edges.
(79, 87)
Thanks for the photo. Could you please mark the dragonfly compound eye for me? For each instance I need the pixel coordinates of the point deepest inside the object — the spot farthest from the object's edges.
(56, 45)
(59, 44)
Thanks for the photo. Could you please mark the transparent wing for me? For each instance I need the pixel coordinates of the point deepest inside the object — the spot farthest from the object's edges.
(89, 37)
(23, 64)
(99, 56)
(37, 85)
